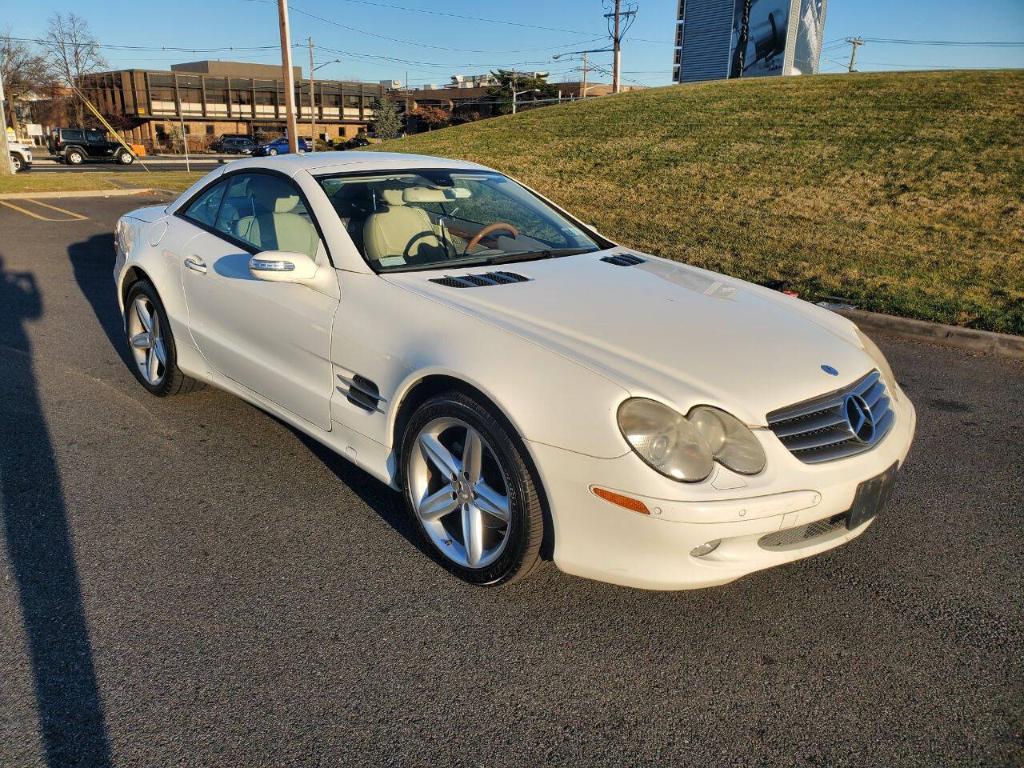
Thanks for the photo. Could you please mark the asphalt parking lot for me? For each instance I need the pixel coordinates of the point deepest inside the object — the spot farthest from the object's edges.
(189, 582)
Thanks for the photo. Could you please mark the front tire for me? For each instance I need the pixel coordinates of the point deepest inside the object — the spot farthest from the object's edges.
(151, 343)
(125, 158)
(16, 163)
(272, 152)
(470, 491)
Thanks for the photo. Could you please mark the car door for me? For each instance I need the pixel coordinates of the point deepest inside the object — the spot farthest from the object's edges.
(273, 338)
(97, 146)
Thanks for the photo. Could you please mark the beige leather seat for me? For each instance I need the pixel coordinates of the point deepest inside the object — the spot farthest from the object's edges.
(282, 230)
(400, 233)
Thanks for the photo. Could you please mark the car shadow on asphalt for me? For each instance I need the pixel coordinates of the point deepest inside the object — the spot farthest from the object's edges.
(39, 547)
(376, 495)
(93, 263)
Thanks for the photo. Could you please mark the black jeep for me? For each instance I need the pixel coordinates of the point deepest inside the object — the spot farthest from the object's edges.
(76, 145)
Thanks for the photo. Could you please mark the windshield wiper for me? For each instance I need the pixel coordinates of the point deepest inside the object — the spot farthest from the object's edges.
(500, 258)
(547, 253)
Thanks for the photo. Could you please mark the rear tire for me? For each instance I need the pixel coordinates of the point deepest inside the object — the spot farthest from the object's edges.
(16, 163)
(494, 494)
(74, 157)
(151, 343)
(272, 152)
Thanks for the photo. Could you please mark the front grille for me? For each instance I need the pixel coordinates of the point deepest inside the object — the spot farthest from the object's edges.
(842, 423)
(803, 533)
(486, 278)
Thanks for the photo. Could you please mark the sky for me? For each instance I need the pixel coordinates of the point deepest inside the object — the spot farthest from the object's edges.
(415, 40)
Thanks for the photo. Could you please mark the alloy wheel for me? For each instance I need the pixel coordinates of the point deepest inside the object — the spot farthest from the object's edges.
(459, 492)
(146, 339)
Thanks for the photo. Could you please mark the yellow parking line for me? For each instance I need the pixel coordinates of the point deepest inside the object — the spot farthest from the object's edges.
(27, 213)
(77, 216)
(8, 204)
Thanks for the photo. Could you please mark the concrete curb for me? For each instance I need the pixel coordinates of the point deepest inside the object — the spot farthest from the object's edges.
(1002, 344)
(81, 193)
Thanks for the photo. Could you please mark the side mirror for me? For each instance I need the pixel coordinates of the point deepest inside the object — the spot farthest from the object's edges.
(282, 267)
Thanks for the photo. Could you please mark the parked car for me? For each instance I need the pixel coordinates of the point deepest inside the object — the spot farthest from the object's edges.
(76, 145)
(278, 147)
(532, 388)
(21, 156)
(357, 142)
(237, 146)
(219, 144)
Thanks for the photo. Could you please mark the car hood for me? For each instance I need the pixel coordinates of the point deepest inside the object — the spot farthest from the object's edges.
(664, 329)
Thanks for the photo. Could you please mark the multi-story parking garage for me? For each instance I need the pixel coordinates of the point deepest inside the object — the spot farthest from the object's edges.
(215, 97)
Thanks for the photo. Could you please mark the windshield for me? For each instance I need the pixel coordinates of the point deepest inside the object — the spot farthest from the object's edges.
(409, 220)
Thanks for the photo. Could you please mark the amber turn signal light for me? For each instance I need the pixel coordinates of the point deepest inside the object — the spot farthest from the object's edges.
(626, 502)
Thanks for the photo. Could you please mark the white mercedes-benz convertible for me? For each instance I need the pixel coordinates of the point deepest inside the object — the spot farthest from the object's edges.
(533, 389)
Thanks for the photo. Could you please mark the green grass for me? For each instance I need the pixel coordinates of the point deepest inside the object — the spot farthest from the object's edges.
(174, 181)
(903, 193)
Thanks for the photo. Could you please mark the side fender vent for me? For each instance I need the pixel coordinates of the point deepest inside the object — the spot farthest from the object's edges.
(622, 260)
(360, 391)
(479, 281)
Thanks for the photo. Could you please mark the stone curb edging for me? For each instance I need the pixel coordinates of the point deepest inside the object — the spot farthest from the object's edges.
(80, 193)
(1002, 344)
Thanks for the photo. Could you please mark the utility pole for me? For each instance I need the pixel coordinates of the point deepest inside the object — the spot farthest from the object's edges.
(184, 139)
(617, 55)
(583, 85)
(621, 21)
(312, 98)
(289, 76)
(5, 151)
(855, 43)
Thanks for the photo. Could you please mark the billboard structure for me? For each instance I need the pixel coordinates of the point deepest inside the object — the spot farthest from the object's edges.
(718, 39)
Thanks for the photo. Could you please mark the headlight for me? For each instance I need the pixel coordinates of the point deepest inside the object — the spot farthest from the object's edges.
(883, 365)
(686, 447)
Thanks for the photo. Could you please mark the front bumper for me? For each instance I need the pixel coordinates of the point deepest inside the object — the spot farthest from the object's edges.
(599, 540)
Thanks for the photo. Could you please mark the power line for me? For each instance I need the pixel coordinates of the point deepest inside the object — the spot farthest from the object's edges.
(464, 17)
(433, 64)
(178, 49)
(951, 43)
(434, 46)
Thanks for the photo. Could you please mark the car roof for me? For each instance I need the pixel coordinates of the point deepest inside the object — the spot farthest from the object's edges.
(325, 163)
(328, 163)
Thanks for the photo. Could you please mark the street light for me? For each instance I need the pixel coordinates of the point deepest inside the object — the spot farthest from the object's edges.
(517, 94)
(312, 95)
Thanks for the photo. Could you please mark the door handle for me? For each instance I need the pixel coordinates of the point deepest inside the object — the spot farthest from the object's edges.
(196, 264)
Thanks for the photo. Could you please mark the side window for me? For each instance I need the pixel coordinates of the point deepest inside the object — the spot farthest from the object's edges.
(267, 212)
(71, 136)
(96, 136)
(205, 207)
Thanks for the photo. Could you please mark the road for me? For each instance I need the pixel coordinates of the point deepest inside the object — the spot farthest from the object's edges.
(43, 164)
(189, 582)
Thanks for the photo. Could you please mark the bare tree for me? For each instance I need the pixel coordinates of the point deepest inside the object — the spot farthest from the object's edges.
(73, 53)
(22, 72)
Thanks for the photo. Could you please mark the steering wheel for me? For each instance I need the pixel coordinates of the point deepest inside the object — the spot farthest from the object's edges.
(490, 229)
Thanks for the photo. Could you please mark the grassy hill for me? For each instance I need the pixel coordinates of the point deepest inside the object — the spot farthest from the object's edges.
(903, 193)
